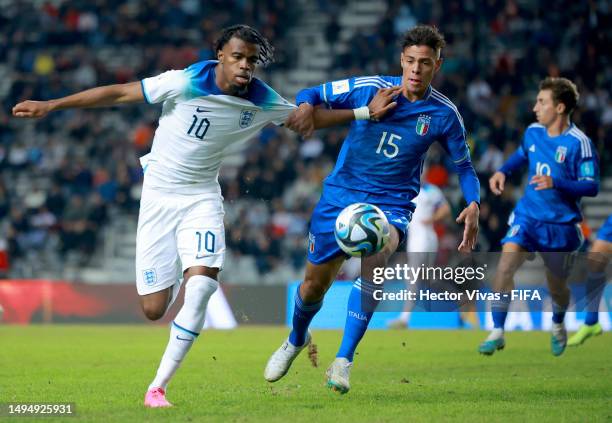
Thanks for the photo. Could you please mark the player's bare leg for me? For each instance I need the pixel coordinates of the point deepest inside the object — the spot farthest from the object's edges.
(511, 259)
(155, 305)
(201, 283)
(317, 280)
(361, 305)
(597, 261)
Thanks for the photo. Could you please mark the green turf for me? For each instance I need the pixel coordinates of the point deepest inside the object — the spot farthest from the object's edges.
(398, 376)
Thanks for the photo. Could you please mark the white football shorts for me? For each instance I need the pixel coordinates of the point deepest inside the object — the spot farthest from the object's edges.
(422, 241)
(176, 232)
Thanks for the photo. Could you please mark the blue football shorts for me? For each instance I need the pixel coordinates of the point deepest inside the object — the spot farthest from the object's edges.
(537, 236)
(322, 245)
(556, 242)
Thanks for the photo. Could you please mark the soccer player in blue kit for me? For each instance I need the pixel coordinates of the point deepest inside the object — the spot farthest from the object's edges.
(597, 261)
(563, 167)
(380, 163)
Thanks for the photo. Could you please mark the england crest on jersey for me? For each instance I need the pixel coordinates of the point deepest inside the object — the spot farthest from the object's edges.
(422, 125)
(149, 276)
(246, 117)
(560, 154)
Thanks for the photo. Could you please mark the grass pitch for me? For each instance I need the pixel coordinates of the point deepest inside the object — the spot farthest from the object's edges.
(398, 376)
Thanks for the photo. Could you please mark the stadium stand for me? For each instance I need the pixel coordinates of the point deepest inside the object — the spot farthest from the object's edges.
(70, 184)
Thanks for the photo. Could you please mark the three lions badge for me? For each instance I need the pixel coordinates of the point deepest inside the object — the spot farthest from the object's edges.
(246, 117)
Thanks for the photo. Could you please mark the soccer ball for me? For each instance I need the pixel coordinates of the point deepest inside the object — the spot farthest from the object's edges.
(361, 230)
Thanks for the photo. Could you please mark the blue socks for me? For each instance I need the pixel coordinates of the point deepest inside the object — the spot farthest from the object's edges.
(357, 317)
(592, 317)
(302, 316)
(595, 285)
(558, 312)
(499, 310)
(558, 315)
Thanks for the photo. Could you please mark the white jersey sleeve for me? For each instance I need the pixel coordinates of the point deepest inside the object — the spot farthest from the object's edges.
(274, 107)
(165, 86)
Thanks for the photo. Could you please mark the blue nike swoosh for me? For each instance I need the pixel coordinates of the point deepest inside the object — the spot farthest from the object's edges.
(183, 339)
(200, 110)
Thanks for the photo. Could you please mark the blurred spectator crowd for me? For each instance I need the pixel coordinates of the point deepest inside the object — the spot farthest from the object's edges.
(63, 178)
(496, 54)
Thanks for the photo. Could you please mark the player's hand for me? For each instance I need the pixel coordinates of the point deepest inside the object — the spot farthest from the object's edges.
(32, 109)
(497, 182)
(383, 101)
(542, 182)
(301, 120)
(469, 217)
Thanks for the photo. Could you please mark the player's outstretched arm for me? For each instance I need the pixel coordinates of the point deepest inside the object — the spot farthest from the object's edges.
(379, 106)
(308, 118)
(109, 95)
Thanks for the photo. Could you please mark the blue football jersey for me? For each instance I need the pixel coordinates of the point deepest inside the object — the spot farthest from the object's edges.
(570, 155)
(381, 162)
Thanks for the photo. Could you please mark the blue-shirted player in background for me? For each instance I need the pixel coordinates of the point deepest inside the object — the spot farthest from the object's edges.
(380, 163)
(597, 261)
(563, 167)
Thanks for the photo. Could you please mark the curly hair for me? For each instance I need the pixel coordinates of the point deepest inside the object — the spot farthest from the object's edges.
(250, 35)
(424, 35)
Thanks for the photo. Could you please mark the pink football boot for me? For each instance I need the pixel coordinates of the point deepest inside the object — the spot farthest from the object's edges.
(156, 398)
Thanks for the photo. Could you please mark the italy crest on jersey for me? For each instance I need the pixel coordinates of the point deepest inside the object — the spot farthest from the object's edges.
(246, 117)
(560, 154)
(422, 125)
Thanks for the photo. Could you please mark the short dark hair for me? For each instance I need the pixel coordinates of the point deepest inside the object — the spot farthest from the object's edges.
(563, 91)
(424, 35)
(250, 35)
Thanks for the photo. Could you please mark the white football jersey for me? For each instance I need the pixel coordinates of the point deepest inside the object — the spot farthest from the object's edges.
(199, 126)
(421, 234)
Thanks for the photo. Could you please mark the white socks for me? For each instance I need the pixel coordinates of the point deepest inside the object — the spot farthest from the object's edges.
(185, 327)
(495, 334)
(558, 328)
(404, 317)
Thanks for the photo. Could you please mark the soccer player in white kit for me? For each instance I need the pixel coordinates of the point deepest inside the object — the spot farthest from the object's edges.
(208, 108)
(422, 242)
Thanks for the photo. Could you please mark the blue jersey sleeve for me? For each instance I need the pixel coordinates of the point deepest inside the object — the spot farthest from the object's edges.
(454, 143)
(586, 171)
(348, 93)
(576, 188)
(587, 164)
(517, 160)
